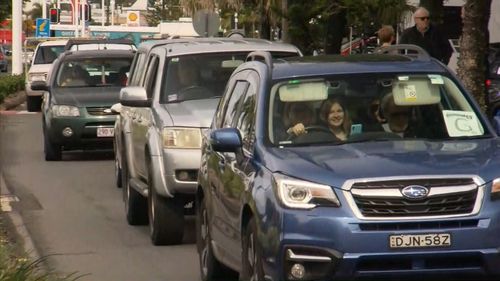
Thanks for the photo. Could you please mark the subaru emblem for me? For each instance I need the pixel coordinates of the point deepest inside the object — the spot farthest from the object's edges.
(415, 192)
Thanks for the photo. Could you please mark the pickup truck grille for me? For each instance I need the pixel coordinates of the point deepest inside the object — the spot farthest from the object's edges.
(385, 199)
(100, 111)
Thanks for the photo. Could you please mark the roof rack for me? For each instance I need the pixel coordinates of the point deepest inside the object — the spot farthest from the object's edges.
(262, 56)
(103, 42)
(412, 51)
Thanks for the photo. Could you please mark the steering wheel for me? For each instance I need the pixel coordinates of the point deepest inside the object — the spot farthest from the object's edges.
(310, 129)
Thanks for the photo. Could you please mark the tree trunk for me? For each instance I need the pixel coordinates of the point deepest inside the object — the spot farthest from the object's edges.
(284, 21)
(473, 60)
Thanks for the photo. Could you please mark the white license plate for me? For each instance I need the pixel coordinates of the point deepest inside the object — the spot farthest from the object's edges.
(420, 240)
(105, 132)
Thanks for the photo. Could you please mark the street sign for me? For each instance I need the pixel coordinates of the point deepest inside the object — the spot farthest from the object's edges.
(42, 27)
(206, 23)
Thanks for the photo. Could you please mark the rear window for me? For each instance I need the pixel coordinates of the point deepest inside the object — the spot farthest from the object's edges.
(100, 72)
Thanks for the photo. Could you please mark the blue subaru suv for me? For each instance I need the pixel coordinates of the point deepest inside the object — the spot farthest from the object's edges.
(334, 168)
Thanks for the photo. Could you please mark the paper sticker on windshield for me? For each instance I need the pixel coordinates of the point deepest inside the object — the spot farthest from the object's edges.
(172, 98)
(462, 123)
(410, 92)
(356, 129)
(403, 78)
(436, 79)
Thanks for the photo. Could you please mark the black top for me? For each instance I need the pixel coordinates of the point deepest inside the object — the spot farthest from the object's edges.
(432, 41)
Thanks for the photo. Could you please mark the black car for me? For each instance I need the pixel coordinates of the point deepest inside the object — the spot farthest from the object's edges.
(82, 87)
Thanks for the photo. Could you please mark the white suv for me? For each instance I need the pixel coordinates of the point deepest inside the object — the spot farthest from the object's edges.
(45, 53)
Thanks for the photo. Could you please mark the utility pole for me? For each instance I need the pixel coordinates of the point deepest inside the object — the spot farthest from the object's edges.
(44, 9)
(17, 36)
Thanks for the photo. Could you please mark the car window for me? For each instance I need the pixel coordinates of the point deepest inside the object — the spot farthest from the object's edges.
(150, 83)
(246, 115)
(137, 73)
(47, 54)
(202, 76)
(96, 72)
(231, 108)
(372, 107)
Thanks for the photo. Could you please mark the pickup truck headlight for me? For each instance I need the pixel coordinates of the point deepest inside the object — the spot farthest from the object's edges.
(65, 111)
(299, 194)
(37, 77)
(181, 138)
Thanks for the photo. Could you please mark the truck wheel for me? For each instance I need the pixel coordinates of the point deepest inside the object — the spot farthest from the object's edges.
(53, 152)
(210, 268)
(135, 204)
(166, 217)
(251, 254)
(33, 103)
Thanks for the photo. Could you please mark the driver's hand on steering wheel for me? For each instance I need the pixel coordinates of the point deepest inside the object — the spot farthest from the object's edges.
(297, 129)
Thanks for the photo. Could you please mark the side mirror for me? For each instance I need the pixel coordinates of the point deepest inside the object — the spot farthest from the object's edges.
(116, 108)
(135, 97)
(225, 140)
(8, 53)
(39, 86)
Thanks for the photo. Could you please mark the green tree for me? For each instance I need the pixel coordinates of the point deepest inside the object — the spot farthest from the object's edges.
(472, 63)
(6, 9)
(36, 11)
(164, 10)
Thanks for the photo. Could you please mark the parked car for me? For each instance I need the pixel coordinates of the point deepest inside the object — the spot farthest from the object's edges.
(397, 178)
(45, 53)
(171, 97)
(4, 63)
(76, 111)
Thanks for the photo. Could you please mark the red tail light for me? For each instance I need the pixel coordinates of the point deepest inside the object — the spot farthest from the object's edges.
(1, 56)
(487, 83)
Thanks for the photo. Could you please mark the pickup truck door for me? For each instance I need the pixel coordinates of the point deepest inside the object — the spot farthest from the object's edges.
(141, 119)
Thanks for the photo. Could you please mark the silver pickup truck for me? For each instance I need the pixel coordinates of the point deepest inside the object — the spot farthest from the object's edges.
(173, 91)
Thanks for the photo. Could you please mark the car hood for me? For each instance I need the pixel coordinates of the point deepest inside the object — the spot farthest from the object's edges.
(40, 68)
(192, 113)
(86, 97)
(334, 165)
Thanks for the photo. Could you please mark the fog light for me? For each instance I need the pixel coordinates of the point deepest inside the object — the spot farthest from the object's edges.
(298, 271)
(183, 176)
(67, 132)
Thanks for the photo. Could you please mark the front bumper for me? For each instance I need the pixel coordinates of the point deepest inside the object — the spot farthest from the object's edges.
(180, 170)
(84, 130)
(338, 246)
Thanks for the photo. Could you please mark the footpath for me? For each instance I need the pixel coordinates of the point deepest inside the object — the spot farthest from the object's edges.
(12, 226)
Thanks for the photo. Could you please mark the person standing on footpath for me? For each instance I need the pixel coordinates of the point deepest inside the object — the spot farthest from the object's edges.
(385, 35)
(427, 36)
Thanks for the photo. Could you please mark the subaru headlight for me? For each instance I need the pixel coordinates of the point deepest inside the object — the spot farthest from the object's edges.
(495, 186)
(299, 194)
(181, 138)
(65, 111)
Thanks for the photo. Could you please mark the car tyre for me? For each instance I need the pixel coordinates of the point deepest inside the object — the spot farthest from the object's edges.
(251, 254)
(166, 217)
(135, 204)
(52, 151)
(210, 268)
(118, 169)
(33, 103)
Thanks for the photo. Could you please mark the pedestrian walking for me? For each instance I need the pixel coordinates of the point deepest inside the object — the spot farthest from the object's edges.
(427, 36)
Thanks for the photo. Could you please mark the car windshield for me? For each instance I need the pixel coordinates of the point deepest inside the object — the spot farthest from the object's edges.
(47, 54)
(370, 107)
(202, 76)
(95, 72)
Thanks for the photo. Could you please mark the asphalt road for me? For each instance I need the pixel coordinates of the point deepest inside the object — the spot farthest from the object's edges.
(74, 213)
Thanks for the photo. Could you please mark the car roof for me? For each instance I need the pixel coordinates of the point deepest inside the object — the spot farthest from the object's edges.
(93, 54)
(210, 45)
(54, 43)
(337, 64)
